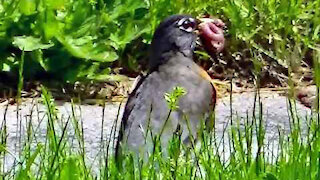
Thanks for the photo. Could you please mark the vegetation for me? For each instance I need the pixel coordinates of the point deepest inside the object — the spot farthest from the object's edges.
(74, 40)
(241, 152)
(89, 39)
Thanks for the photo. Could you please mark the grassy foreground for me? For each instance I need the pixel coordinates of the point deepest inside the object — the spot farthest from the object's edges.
(242, 153)
(92, 35)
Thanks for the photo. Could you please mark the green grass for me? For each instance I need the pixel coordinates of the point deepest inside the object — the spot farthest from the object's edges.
(243, 153)
(86, 38)
(92, 35)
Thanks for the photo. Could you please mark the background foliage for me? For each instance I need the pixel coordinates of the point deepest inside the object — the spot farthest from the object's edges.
(88, 39)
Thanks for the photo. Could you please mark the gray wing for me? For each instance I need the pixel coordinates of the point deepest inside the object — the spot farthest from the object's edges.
(131, 102)
(147, 95)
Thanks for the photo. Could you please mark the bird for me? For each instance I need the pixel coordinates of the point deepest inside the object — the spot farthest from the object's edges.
(171, 65)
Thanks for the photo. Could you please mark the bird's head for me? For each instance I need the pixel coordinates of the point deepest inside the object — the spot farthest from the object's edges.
(178, 33)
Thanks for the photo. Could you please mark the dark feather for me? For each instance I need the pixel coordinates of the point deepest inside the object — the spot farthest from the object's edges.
(127, 111)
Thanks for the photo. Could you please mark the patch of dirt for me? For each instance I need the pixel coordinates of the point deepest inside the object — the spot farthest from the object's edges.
(88, 92)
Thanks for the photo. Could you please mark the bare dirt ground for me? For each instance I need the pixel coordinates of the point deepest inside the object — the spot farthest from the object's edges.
(275, 114)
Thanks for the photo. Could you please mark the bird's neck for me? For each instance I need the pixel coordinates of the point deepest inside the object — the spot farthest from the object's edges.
(173, 57)
(176, 61)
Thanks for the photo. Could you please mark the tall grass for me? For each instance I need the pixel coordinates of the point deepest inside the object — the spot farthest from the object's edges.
(279, 30)
(244, 152)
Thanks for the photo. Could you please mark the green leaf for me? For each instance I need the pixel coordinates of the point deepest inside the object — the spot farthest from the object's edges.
(1, 8)
(71, 168)
(316, 33)
(270, 176)
(39, 57)
(173, 97)
(110, 78)
(5, 67)
(27, 7)
(29, 43)
(55, 4)
(26, 173)
(49, 22)
(202, 54)
(84, 48)
(31, 159)
(2, 148)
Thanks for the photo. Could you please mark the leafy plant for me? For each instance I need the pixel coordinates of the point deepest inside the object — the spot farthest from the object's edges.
(87, 39)
(173, 97)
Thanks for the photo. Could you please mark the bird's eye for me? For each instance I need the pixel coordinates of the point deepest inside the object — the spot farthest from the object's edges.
(187, 25)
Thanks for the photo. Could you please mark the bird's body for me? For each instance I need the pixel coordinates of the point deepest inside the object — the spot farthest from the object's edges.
(171, 65)
(149, 93)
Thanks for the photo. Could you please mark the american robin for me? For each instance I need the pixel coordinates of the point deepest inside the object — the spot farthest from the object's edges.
(171, 65)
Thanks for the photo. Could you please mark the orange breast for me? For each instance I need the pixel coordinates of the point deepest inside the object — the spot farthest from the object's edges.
(206, 76)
